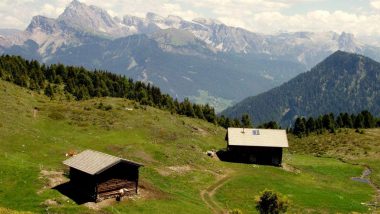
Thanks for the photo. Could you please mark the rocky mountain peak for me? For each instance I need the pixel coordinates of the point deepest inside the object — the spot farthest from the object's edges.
(42, 23)
(207, 21)
(347, 42)
(88, 18)
(150, 16)
(132, 20)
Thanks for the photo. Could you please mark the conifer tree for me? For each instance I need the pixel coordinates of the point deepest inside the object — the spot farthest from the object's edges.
(347, 120)
(310, 125)
(299, 127)
(368, 119)
(359, 121)
(246, 121)
(49, 91)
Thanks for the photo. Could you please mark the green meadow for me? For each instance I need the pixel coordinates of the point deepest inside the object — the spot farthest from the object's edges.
(178, 177)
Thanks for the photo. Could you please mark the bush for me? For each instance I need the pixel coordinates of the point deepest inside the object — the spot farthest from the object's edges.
(103, 107)
(56, 116)
(271, 202)
(108, 107)
(235, 211)
(360, 131)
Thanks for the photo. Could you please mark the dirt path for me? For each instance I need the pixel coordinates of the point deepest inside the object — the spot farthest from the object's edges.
(365, 178)
(376, 204)
(208, 193)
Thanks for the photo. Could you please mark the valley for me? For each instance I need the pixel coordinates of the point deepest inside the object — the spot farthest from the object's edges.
(112, 108)
(185, 58)
(37, 132)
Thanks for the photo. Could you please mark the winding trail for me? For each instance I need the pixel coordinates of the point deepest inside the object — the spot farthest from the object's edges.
(366, 174)
(365, 178)
(208, 193)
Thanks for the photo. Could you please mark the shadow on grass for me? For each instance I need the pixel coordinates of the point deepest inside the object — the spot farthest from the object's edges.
(246, 158)
(74, 193)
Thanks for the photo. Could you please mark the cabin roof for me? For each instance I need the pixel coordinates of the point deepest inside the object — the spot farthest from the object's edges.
(94, 162)
(257, 137)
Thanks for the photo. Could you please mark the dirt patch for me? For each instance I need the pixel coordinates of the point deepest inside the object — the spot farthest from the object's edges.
(98, 206)
(290, 168)
(115, 149)
(148, 191)
(207, 195)
(145, 156)
(199, 131)
(50, 203)
(178, 170)
(51, 179)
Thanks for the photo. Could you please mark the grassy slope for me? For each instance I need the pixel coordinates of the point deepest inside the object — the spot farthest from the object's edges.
(159, 140)
(346, 144)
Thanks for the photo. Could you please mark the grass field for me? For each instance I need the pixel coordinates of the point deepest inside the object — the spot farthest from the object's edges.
(347, 145)
(35, 134)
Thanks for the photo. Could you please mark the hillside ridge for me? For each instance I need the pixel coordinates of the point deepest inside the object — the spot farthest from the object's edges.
(343, 82)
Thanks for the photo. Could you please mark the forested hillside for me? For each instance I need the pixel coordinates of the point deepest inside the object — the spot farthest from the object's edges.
(203, 59)
(80, 84)
(70, 82)
(343, 82)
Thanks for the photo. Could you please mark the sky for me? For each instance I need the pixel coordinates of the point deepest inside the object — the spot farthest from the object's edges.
(361, 17)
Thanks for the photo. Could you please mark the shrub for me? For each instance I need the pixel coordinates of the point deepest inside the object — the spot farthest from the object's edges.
(235, 211)
(108, 107)
(103, 107)
(56, 116)
(271, 202)
(360, 131)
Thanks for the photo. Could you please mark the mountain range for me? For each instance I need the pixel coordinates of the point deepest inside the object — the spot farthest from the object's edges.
(202, 59)
(343, 82)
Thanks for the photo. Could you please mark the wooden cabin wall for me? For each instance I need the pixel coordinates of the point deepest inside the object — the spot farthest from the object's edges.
(83, 181)
(120, 176)
(120, 171)
(259, 155)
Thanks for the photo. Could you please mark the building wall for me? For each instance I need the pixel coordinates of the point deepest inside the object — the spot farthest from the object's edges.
(258, 155)
(107, 183)
(120, 176)
(83, 181)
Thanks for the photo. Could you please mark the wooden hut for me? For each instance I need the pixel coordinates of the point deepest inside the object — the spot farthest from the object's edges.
(99, 176)
(263, 146)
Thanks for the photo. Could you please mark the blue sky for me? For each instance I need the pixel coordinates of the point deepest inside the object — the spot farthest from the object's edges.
(331, 5)
(361, 17)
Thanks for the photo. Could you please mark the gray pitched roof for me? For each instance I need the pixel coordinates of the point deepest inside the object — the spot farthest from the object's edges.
(257, 137)
(93, 162)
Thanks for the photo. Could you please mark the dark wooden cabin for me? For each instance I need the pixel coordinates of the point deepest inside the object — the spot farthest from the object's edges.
(261, 146)
(99, 176)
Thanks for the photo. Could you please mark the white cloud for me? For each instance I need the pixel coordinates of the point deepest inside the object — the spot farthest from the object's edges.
(141, 7)
(375, 4)
(50, 10)
(267, 16)
(317, 21)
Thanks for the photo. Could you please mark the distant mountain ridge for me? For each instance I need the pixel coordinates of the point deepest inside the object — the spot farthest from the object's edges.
(302, 47)
(184, 58)
(343, 82)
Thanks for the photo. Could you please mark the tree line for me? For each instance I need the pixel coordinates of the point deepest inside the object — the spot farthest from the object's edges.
(329, 122)
(82, 84)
